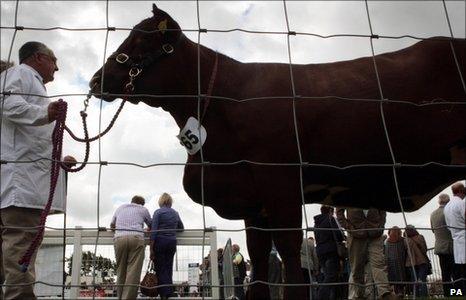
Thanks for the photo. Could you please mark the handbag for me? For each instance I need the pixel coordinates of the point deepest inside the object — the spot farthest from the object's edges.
(429, 268)
(342, 250)
(149, 282)
(429, 263)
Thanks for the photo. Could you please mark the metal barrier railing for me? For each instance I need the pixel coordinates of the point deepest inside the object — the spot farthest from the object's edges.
(79, 238)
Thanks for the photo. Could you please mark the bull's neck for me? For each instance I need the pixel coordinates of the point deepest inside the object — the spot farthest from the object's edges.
(182, 108)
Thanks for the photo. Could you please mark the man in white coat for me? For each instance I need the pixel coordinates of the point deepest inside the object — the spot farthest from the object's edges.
(26, 132)
(455, 219)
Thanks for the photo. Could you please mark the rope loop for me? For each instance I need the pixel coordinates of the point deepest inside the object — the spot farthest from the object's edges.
(86, 138)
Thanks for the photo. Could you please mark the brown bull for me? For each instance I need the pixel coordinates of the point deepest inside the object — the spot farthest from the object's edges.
(339, 147)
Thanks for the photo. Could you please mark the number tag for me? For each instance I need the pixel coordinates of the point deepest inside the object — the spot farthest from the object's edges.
(192, 137)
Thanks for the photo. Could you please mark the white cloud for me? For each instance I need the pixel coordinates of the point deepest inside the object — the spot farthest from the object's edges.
(145, 135)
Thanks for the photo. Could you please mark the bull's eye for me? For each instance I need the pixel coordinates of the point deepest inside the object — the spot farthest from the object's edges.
(122, 58)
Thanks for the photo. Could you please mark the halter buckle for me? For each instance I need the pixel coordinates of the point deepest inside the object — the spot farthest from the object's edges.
(167, 48)
(122, 58)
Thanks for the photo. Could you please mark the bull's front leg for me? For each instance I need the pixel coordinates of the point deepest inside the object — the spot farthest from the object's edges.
(288, 244)
(259, 245)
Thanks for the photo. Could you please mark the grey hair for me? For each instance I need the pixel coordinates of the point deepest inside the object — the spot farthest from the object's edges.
(443, 199)
(31, 48)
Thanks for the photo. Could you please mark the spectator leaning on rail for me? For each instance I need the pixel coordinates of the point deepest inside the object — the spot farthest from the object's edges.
(163, 243)
(366, 246)
(455, 219)
(128, 223)
(443, 243)
(26, 136)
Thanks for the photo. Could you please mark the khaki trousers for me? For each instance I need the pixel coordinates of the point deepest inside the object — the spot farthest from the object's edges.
(129, 254)
(14, 242)
(362, 251)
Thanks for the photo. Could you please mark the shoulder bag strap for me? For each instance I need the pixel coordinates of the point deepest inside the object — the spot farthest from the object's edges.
(333, 231)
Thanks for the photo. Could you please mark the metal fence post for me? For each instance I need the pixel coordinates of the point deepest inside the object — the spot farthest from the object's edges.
(229, 281)
(76, 266)
(214, 264)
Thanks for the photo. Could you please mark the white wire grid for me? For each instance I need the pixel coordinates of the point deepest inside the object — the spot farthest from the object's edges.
(294, 98)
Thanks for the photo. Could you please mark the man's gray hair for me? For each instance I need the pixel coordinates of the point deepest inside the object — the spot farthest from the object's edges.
(443, 199)
(31, 48)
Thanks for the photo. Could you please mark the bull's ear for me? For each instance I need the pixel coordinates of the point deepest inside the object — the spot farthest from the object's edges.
(162, 27)
(154, 8)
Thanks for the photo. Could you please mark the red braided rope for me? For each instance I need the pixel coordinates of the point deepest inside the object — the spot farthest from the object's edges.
(57, 145)
(57, 142)
(87, 139)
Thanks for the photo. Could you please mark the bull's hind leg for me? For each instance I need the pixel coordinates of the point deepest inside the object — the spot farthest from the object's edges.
(259, 246)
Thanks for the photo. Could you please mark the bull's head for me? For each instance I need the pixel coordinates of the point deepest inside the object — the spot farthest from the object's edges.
(141, 63)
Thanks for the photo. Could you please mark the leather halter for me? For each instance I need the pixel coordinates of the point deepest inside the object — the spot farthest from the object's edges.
(136, 66)
(213, 75)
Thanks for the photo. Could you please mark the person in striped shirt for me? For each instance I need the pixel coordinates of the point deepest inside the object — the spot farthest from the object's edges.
(128, 224)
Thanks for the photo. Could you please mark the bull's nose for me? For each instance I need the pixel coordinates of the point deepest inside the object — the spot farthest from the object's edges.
(94, 81)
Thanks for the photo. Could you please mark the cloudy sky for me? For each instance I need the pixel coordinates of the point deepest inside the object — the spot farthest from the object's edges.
(144, 135)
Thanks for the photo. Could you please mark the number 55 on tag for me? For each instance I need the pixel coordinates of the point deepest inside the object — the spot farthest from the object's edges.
(192, 137)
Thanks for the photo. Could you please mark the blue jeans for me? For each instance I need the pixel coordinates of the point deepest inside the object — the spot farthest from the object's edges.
(164, 250)
(330, 265)
(308, 280)
(421, 273)
(239, 290)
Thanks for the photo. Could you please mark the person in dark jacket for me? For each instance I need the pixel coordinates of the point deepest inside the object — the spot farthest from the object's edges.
(327, 250)
(163, 242)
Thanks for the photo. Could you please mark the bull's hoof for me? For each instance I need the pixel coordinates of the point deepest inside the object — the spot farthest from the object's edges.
(258, 291)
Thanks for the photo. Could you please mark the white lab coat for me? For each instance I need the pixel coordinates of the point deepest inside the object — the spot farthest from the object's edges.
(454, 216)
(26, 135)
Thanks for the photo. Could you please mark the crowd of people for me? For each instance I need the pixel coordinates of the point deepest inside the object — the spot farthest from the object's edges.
(239, 267)
(366, 263)
(350, 257)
